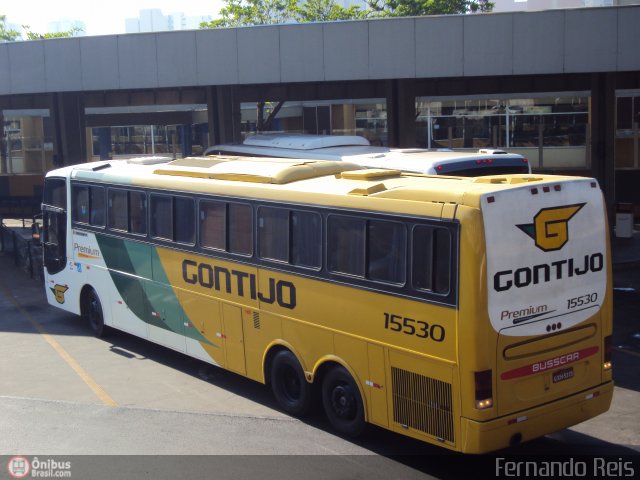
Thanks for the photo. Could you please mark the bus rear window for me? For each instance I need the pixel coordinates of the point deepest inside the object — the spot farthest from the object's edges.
(488, 170)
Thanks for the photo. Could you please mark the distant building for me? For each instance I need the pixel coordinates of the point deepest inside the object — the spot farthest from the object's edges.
(153, 20)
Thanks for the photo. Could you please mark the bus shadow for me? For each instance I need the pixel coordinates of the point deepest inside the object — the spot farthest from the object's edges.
(422, 457)
(443, 464)
(138, 349)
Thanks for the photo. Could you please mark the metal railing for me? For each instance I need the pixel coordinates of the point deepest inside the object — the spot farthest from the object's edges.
(26, 251)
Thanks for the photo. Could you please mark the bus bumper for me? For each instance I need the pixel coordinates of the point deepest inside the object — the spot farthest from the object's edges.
(482, 437)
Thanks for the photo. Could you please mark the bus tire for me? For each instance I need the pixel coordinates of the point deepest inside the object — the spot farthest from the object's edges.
(290, 388)
(94, 313)
(342, 402)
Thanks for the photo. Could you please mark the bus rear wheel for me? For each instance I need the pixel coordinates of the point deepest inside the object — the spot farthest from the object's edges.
(342, 402)
(94, 314)
(290, 388)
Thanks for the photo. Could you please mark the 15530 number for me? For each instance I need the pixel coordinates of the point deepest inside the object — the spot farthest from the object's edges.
(410, 326)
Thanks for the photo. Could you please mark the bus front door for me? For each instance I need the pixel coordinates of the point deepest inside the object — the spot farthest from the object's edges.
(54, 239)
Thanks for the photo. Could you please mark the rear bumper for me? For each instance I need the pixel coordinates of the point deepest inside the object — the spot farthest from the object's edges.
(482, 437)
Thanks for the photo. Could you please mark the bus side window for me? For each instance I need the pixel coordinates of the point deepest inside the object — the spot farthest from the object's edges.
(97, 211)
(306, 238)
(213, 220)
(80, 204)
(386, 247)
(346, 245)
(117, 213)
(162, 217)
(240, 228)
(185, 221)
(273, 233)
(138, 213)
(431, 264)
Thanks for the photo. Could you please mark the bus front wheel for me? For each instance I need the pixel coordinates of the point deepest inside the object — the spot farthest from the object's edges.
(290, 388)
(342, 402)
(94, 314)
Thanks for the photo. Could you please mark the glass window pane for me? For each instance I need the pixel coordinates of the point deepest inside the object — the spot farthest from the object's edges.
(273, 233)
(118, 209)
(162, 217)
(240, 228)
(386, 243)
(138, 213)
(431, 267)
(55, 192)
(345, 245)
(185, 220)
(524, 130)
(213, 230)
(306, 237)
(97, 201)
(80, 206)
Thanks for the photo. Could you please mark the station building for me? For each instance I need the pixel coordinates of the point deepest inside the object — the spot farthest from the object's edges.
(561, 87)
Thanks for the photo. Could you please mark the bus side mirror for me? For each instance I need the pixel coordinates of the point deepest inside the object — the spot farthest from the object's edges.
(35, 233)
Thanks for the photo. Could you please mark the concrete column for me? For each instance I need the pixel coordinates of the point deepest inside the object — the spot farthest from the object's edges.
(185, 139)
(603, 134)
(67, 114)
(104, 139)
(223, 114)
(401, 113)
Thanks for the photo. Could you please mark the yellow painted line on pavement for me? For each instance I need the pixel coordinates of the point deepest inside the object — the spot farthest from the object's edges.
(69, 360)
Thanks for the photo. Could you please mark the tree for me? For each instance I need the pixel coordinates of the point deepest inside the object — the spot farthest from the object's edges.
(265, 12)
(42, 36)
(326, 11)
(5, 34)
(411, 8)
(238, 13)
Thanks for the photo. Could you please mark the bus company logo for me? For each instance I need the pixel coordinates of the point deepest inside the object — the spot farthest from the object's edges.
(58, 292)
(549, 363)
(86, 252)
(550, 227)
(18, 467)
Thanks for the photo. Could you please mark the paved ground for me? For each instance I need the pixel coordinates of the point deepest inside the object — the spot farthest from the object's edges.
(64, 392)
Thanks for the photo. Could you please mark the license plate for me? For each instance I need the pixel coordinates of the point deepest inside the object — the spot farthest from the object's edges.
(564, 374)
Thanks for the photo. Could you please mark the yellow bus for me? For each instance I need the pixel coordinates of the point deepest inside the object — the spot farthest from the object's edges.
(471, 313)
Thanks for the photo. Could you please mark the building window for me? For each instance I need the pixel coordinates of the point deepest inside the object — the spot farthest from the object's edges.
(551, 130)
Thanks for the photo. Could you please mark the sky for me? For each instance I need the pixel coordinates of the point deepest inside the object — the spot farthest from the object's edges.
(101, 17)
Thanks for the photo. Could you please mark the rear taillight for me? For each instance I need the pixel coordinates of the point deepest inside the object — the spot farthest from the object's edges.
(484, 389)
(608, 341)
